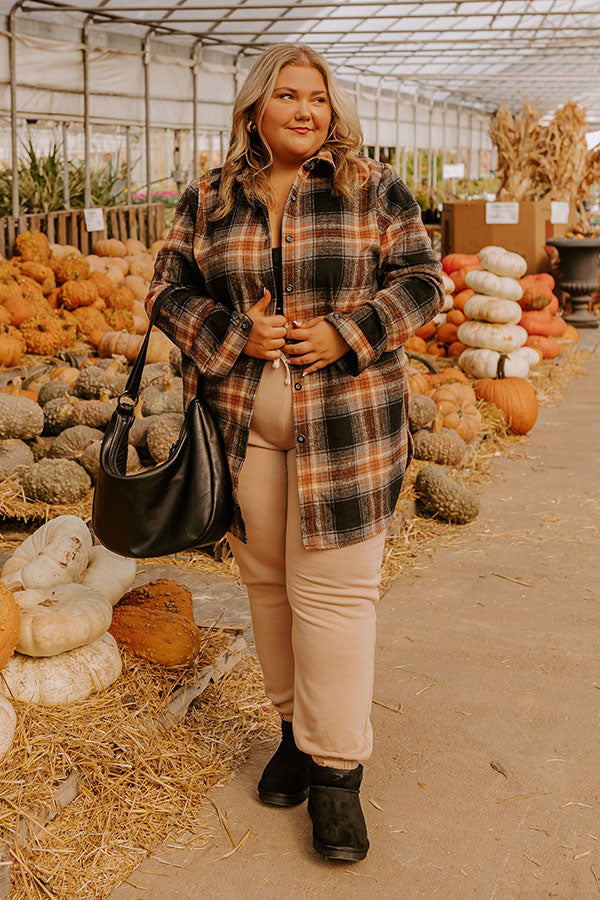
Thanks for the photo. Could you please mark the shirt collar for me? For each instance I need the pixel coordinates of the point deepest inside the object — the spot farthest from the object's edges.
(323, 155)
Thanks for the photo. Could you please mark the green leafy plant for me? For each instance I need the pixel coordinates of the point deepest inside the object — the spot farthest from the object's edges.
(41, 183)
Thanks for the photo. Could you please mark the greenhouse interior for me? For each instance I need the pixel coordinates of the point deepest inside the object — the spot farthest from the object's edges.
(379, 222)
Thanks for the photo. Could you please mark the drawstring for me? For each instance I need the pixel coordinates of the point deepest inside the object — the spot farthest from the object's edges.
(283, 359)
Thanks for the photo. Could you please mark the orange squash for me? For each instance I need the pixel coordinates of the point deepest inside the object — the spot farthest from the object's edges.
(456, 403)
(447, 375)
(454, 261)
(461, 298)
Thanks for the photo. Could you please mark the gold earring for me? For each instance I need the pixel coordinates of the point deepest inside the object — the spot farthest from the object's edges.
(251, 127)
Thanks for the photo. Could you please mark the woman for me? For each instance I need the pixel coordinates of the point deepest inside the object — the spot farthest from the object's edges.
(304, 268)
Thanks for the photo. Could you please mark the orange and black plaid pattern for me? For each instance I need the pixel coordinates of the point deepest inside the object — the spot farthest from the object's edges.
(367, 265)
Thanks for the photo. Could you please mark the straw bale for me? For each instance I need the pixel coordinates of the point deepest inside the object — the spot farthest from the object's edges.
(138, 782)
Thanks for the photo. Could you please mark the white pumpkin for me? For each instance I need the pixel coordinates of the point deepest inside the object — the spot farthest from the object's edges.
(439, 319)
(54, 620)
(502, 262)
(533, 356)
(64, 679)
(492, 309)
(491, 285)
(449, 286)
(109, 574)
(484, 363)
(57, 553)
(448, 303)
(492, 335)
(8, 724)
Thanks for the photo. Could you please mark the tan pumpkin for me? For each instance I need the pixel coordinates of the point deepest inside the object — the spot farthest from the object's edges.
(60, 250)
(65, 374)
(137, 285)
(121, 263)
(156, 247)
(133, 247)
(115, 274)
(140, 319)
(457, 405)
(9, 624)
(120, 343)
(110, 247)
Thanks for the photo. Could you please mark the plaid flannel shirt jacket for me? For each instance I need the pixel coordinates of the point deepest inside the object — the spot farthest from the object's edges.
(367, 265)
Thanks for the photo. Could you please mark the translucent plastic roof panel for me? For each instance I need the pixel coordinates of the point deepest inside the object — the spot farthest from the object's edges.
(478, 52)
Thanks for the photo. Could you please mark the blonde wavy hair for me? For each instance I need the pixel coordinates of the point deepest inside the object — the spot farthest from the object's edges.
(250, 156)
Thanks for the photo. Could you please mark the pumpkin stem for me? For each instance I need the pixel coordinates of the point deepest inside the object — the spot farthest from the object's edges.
(500, 369)
(15, 387)
(437, 424)
(168, 383)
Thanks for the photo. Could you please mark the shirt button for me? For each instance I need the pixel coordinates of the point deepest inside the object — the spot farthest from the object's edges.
(298, 385)
(300, 438)
(289, 238)
(289, 287)
(294, 197)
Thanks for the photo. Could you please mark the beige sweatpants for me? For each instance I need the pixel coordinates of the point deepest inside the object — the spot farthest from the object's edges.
(313, 611)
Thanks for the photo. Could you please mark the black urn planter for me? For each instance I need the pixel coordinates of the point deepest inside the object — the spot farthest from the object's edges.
(579, 266)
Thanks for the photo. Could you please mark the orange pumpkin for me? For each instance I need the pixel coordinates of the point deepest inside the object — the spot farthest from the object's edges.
(514, 396)
(449, 374)
(447, 332)
(461, 298)
(547, 346)
(78, 293)
(10, 619)
(416, 344)
(456, 317)
(22, 308)
(456, 348)
(418, 382)
(557, 327)
(11, 348)
(458, 277)
(553, 305)
(570, 333)
(426, 331)
(120, 343)
(434, 348)
(536, 321)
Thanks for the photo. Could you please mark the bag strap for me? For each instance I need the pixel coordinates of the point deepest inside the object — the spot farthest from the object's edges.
(128, 399)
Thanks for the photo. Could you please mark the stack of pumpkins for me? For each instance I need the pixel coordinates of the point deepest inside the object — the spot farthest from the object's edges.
(540, 317)
(493, 332)
(65, 589)
(51, 294)
(439, 336)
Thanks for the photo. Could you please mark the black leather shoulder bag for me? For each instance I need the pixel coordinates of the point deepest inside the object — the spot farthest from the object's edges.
(183, 503)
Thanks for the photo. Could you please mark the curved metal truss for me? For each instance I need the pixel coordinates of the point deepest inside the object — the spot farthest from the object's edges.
(481, 52)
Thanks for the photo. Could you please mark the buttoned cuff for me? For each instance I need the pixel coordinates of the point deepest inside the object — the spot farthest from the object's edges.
(229, 332)
(363, 333)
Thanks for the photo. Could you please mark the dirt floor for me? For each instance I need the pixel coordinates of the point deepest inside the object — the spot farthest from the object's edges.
(486, 783)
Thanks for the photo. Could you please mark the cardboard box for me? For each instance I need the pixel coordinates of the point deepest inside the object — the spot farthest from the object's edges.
(464, 230)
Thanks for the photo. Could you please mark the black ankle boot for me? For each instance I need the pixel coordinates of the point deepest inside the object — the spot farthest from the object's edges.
(339, 829)
(284, 781)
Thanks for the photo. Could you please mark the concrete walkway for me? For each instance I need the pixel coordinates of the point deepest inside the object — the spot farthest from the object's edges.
(487, 784)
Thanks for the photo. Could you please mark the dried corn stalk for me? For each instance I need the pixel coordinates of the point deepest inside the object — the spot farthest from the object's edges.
(536, 160)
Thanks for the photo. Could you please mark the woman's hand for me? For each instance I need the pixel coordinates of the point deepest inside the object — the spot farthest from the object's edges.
(320, 344)
(268, 332)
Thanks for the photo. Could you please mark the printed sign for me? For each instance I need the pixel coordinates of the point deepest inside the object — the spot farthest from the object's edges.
(559, 212)
(94, 219)
(501, 213)
(453, 170)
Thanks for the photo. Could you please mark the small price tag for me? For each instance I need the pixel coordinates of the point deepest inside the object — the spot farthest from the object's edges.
(501, 213)
(453, 170)
(94, 219)
(559, 212)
